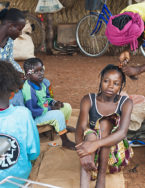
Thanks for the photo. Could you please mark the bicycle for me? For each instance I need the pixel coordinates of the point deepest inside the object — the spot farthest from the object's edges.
(90, 33)
(38, 31)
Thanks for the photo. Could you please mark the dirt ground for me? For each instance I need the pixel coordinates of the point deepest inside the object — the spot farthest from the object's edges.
(74, 76)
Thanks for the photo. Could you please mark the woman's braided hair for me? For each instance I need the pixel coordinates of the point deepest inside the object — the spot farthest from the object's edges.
(108, 68)
(12, 14)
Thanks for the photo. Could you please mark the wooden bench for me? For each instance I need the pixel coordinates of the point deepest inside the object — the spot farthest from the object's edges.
(46, 128)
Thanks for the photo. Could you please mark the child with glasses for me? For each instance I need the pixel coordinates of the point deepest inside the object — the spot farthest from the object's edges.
(45, 110)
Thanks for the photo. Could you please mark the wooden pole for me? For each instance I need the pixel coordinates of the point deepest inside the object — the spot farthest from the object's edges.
(49, 34)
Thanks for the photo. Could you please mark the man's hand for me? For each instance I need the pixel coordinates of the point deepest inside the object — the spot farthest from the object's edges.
(87, 163)
(130, 71)
(124, 58)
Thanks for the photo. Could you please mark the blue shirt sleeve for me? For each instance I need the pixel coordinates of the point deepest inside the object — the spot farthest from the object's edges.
(31, 100)
(35, 109)
(33, 142)
(46, 82)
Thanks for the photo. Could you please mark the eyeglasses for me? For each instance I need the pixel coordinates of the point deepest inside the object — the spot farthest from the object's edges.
(39, 71)
(31, 71)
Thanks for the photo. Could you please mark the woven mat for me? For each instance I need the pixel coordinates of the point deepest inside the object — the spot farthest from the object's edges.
(61, 167)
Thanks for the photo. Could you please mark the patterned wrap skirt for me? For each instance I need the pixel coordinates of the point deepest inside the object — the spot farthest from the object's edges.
(120, 154)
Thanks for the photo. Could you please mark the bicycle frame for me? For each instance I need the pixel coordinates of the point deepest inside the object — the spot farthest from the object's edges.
(104, 15)
(143, 43)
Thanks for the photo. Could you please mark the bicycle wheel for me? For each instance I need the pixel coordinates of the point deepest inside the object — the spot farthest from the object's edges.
(142, 48)
(38, 32)
(91, 45)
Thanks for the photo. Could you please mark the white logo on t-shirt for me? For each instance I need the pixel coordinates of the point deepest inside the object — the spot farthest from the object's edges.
(10, 157)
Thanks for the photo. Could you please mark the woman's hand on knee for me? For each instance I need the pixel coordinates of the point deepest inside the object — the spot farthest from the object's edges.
(86, 148)
(87, 163)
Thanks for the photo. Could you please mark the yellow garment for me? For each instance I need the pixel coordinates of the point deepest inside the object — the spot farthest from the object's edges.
(136, 8)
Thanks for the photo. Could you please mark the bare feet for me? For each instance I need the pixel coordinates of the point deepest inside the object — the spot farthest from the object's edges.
(68, 144)
(70, 129)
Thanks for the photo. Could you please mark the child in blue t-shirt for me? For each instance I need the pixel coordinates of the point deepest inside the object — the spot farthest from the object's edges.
(45, 110)
(18, 127)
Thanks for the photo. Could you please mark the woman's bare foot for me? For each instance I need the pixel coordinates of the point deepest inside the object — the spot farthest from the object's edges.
(68, 144)
(70, 129)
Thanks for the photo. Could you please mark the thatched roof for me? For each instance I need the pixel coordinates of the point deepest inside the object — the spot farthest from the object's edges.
(73, 11)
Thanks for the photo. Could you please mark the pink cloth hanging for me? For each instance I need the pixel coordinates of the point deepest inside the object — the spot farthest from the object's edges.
(129, 34)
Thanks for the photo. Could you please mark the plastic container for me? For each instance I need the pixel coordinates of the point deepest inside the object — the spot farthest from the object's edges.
(54, 144)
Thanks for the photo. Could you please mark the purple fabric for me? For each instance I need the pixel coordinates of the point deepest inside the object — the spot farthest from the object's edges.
(127, 154)
(129, 34)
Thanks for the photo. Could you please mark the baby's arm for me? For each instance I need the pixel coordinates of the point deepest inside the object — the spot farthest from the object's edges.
(89, 147)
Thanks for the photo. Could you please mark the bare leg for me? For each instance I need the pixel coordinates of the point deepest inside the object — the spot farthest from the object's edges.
(67, 143)
(85, 175)
(106, 128)
(85, 178)
(70, 129)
